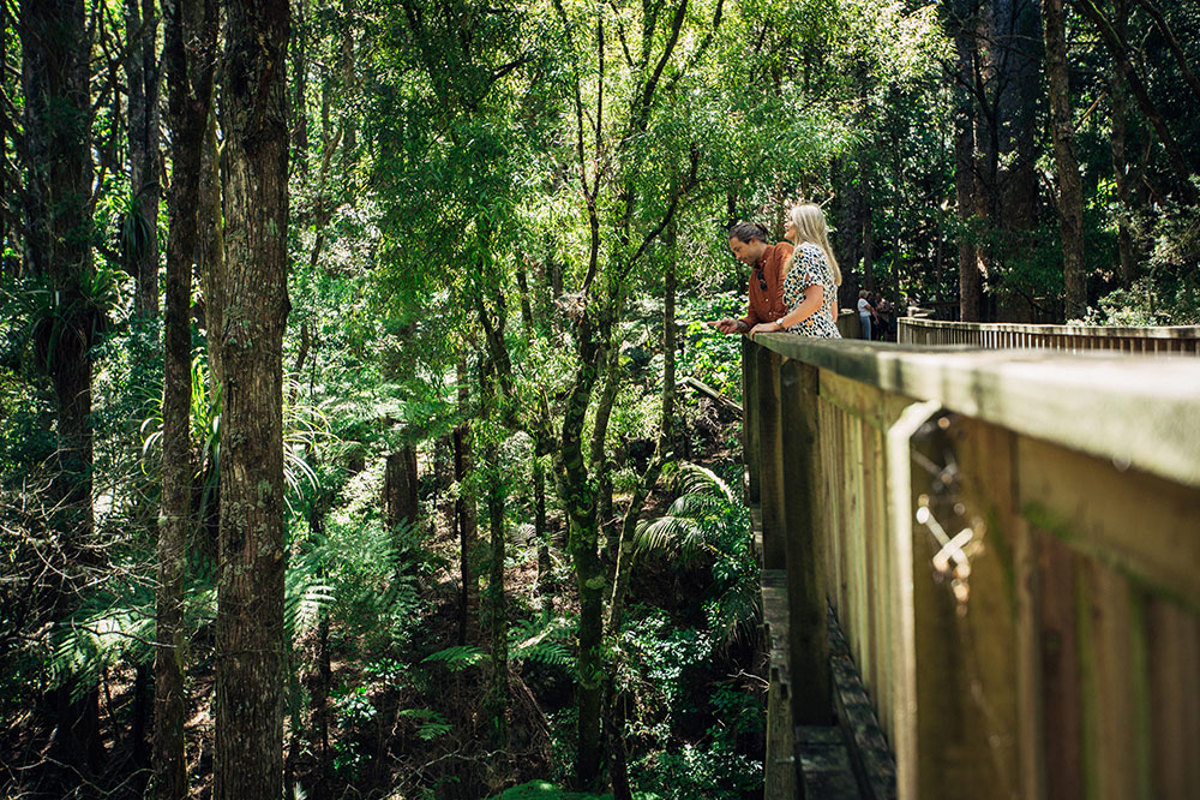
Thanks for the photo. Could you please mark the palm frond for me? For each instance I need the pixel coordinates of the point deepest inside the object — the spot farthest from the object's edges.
(675, 533)
(695, 479)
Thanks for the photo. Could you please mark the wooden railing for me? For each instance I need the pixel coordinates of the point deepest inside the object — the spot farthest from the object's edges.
(1075, 338)
(1011, 543)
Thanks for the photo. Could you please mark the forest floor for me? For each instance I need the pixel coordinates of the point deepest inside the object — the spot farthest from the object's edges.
(402, 727)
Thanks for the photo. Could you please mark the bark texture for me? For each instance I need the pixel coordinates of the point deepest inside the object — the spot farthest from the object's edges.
(55, 43)
(188, 54)
(250, 635)
(1070, 194)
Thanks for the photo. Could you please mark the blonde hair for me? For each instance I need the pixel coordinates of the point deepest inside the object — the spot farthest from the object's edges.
(809, 222)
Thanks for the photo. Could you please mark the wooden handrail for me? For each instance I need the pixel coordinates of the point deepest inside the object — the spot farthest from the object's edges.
(1155, 340)
(1011, 541)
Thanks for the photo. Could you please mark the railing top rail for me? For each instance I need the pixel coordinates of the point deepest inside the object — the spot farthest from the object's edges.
(1160, 332)
(1143, 413)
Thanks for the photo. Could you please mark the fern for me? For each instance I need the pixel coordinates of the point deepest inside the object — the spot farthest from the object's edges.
(430, 725)
(456, 658)
(546, 644)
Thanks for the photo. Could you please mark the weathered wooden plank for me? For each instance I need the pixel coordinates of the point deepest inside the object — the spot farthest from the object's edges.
(1173, 635)
(802, 454)
(1060, 679)
(779, 770)
(770, 454)
(1030, 733)
(1146, 527)
(1110, 758)
(1149, 418)
(965, 660)
(904, 735)
(750, 451)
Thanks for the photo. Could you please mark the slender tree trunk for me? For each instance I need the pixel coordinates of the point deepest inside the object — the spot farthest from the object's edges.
(868, 237)
(468, 536)
(1121, 164)
(579, 501)
(497, 698)
(141, 26)
(1070, 195)
(299, 111)
(542, 535)
(188, 51)
(970, 284)
(211, 252)
(250, 676)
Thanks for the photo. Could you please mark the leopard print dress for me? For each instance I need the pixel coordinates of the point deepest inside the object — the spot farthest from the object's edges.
(811, 268)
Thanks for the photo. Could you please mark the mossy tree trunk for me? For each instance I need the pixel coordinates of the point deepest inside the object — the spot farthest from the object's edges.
(250, 634)
(188, 54)
(55, 73)
(1070, 193)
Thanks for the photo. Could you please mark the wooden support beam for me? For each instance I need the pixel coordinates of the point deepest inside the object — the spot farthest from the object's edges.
(770, 458)
(812, 702)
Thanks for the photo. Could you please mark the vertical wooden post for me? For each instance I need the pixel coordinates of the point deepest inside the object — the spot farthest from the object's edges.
(770, 459)
(750, 419)
(812, 700)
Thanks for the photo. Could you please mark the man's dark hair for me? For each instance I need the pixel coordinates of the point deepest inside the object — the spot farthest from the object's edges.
(746, 232)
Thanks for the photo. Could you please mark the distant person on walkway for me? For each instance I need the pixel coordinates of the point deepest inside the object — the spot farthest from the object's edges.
(865, 312)
(748, 241)
(883, 317)
(810, 278)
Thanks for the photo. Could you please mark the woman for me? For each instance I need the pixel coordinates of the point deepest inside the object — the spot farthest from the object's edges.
(866, 313)
(811, 278)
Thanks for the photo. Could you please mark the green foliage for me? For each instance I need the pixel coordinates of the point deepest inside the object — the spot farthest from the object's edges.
(542, 790)
(544, 642)
(457, 658)
(709, 356)
(430, 724)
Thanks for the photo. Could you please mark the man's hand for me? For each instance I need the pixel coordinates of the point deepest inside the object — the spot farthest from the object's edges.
(726, 325)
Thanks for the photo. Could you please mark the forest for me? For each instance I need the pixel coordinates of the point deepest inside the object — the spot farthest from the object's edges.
(350, 439)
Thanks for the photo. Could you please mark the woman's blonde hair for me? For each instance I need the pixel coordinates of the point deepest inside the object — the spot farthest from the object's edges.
(809, 222)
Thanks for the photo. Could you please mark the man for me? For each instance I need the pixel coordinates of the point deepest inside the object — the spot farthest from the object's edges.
(748, 241)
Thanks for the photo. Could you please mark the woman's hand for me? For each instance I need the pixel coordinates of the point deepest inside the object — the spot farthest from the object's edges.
(765, 327)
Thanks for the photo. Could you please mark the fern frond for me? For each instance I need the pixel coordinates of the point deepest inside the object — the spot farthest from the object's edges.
(457, 658)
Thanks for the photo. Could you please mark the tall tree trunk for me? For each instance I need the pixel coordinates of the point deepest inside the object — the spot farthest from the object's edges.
(188, 51)
(497, 697)
(298, 108)
(211, 251)
(248, 760)
(1070, 195)
(400, 487)
(970, 284)
(55, 44)
(145, 169)
(1121, 164)
(583, 536)
(541, 535)
(468, 536)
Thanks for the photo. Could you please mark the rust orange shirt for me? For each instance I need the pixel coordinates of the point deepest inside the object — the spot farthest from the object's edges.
(768, 306)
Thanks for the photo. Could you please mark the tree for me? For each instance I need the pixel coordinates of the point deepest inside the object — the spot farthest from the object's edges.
(1070, 196)
(188, 51)
(250, 634)
(55, 44)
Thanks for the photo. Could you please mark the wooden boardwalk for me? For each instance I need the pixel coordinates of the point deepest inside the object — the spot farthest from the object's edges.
(1011, 541)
